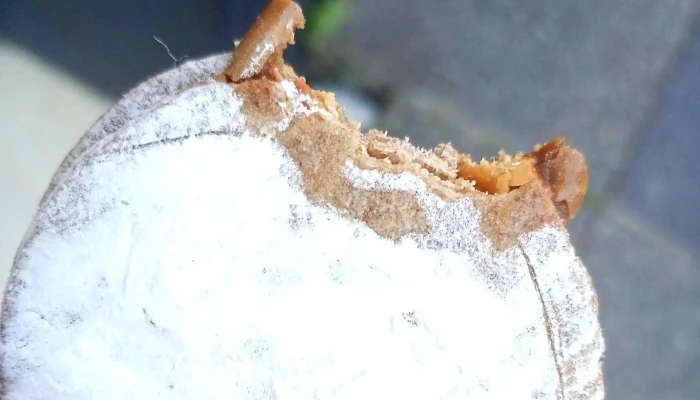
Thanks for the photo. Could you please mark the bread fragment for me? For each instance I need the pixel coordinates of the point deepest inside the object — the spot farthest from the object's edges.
(215, 239)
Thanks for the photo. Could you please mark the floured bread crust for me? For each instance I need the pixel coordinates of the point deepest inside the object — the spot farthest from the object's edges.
(224, 230)
(512, 246)
(321, 145)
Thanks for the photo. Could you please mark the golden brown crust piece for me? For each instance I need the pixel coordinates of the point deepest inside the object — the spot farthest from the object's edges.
(561, 168)
(270, 34)
(565, 171)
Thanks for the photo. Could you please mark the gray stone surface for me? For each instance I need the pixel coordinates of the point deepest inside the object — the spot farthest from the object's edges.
(428, 119)
(663, 185)
(526, 70)
(649, 291)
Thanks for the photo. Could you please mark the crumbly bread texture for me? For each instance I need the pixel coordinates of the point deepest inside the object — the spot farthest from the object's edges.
(324, 142)
(238, 237)
(526, 185)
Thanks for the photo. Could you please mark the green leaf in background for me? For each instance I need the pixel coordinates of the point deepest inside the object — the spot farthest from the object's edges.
(323, 19)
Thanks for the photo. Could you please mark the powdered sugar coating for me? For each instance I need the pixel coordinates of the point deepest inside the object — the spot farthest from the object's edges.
(171, 262)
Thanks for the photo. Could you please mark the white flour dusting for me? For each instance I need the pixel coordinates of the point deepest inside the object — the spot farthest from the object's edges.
(297, 104)
(261, 53)
(187, 288)
(182, 269)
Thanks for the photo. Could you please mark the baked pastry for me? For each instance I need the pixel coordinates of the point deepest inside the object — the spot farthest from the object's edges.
(225, 232)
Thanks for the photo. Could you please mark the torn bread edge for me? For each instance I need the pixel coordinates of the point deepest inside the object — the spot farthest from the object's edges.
(513, 219)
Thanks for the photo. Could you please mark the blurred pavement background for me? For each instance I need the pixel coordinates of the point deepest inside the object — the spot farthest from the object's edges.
(621, 79)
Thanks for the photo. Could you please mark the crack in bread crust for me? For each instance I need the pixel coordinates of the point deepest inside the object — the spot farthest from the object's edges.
(547, 322)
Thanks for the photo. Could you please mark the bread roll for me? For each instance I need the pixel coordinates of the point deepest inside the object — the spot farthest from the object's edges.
(237, 237)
